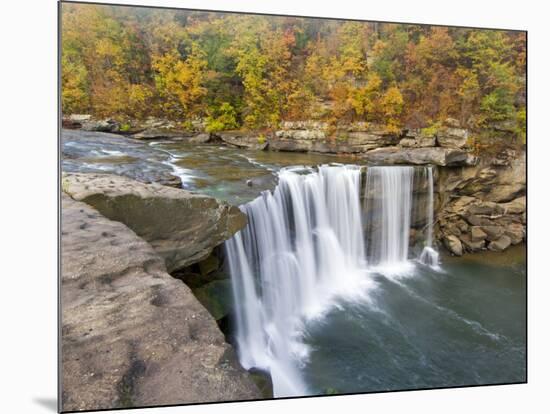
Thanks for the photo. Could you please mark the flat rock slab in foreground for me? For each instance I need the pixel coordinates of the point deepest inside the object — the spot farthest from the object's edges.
(131, 334)
(182, 227)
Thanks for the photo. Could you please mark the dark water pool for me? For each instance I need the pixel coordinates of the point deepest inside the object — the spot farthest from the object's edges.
(462, 327)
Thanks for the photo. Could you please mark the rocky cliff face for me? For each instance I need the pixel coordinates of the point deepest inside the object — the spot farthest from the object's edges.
(132, 335)
(483, 207)
(181, 226)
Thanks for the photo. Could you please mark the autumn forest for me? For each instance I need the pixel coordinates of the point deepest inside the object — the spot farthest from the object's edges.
(252, 72)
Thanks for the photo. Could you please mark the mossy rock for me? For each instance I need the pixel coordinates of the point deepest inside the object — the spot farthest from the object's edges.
(216, 297)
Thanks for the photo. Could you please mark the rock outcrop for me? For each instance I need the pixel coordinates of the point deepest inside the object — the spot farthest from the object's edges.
(101, 125)
(419, 156)
(240, 139)
(132, 335)
(451, 135)
(311, 136)
(415, 138)
(182, 227)
(484, 207)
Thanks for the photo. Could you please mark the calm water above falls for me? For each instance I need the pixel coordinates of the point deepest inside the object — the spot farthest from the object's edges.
(215, 170)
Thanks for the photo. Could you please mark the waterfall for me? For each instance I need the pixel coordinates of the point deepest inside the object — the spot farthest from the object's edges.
(429, 255)
(304, 248)
(388, 196)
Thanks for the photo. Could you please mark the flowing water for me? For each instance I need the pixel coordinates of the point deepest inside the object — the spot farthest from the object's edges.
(323, 311)
(230, 174)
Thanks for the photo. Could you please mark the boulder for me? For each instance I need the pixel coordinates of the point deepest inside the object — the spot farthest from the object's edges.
(163, 133)
(453, 244)
(493, 232)
(453, 228)
(80, 117)
(415, 138)
(102, 125)
(476, 220)
(417, 156)
(477, 234)
(307, 134)
(500, 244)
(452, 122)
(516, 232)
(451, 135)
(74, 121)
(182, 227)
(306, 125)
(509, 183)
(131, 335)
(472, 245)
(516, 206)
(242, 139)
(485, 208)
(200, 138)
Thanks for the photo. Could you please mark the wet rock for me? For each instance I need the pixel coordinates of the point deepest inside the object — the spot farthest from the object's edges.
(131, 334)
(500, 244)
(182, 227)
(209, 265)
(453, 244)
(216, 297)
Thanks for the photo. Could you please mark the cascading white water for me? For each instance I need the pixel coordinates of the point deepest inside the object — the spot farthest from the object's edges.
(304, 247)
(429, 255)
(389, 205)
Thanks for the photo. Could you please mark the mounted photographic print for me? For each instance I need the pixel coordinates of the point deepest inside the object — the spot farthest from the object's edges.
(257, 206)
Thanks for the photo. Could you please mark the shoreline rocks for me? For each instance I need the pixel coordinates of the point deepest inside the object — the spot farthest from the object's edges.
(132, 335)
(483, 206)
(240, 139)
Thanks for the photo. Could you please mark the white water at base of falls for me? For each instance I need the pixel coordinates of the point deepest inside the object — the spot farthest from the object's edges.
(302, 249)
(429, 256)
